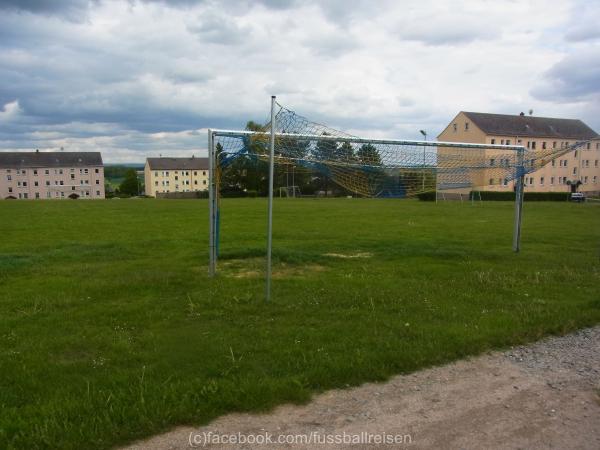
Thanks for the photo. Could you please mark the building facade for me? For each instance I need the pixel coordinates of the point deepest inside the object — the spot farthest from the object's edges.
(170, 175)
(534, 133)
(51, 175)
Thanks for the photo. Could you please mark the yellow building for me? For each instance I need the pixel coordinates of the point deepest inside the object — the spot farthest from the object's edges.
(170, 175)
(534, 133)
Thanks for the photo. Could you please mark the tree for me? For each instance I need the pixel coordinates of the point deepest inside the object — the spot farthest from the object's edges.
(324, 151)
(368, 154)
(130, 184)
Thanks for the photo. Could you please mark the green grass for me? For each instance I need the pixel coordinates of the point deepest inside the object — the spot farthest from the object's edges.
(110, 329)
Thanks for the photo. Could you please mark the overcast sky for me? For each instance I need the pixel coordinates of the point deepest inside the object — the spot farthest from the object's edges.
(141, 78)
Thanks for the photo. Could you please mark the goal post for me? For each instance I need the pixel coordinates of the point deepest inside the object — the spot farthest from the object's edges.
(448, 165)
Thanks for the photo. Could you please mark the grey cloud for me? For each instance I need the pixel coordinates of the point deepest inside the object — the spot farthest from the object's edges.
(74, 10)
(218, 29)
(445, 31)
(574, 78)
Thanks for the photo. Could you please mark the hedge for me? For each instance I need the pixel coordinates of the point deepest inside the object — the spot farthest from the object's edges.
(506, 196)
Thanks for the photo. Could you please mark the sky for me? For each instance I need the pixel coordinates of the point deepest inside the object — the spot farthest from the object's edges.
(138, 78)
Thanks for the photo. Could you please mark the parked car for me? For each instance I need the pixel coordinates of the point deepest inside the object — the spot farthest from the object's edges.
(578, 197)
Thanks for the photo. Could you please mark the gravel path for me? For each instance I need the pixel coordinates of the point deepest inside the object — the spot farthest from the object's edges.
(540, 396)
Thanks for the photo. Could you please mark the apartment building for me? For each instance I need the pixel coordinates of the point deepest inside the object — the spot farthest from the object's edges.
(51, 175)
(169, 175)
(534, 133)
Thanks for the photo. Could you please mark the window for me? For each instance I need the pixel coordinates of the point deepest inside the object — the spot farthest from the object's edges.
(505, 183)
(554, 144)
(47, 172)
(62, 182)
(97, 181)
(551, 181)
(595, 179)
(60, 171)
(85, 170)
(544, 145)
(25, 195)
(195, 172)
(24, 183)
(455, 127)
(519, 141)
(155, 174)
(62, 194)
(492, 162)
(195, 181)
(493, 141)
(18, 183)
(553, 163)
(47, 183)
(541, 181)
(491, 182)
(48, 194)
(588, 146)
(533, 145)
(575, 154)
(204, 182)
(574, 170)
(72, 188)
(528, 144)
(466, 126)
(97, 192)
(9, 189)
(72, 176)
(35, 170)
(531, 181)
(97, 170)
(167, 174)
(508, 142)
(596, 163)
(23, 172)
(176, 177)
(204, 172)
(156, 183)
(9, 177)
(585, 180)
(502, 142)
(35, 183)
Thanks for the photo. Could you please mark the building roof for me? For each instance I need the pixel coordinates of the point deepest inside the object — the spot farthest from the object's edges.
(49, 159)
(192, 163)
(517, 125)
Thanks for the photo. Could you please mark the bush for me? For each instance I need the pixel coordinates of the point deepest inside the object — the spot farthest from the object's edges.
(427, 196)
(252, 194)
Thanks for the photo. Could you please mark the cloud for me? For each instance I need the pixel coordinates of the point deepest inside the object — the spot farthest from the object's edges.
(10, 112)
(145, 76)
(575, 78)
(583, 24)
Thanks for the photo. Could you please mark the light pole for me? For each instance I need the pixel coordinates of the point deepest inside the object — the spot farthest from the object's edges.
(424, 133)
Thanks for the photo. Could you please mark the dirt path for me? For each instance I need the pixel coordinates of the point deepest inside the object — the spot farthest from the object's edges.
(544, 395)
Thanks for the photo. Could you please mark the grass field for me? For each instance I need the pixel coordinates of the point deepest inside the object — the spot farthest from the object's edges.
(110, 329)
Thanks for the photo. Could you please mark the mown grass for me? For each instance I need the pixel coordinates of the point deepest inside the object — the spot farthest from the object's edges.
(110, 329)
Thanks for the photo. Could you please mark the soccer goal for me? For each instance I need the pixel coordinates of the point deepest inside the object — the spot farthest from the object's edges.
(382, 168)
